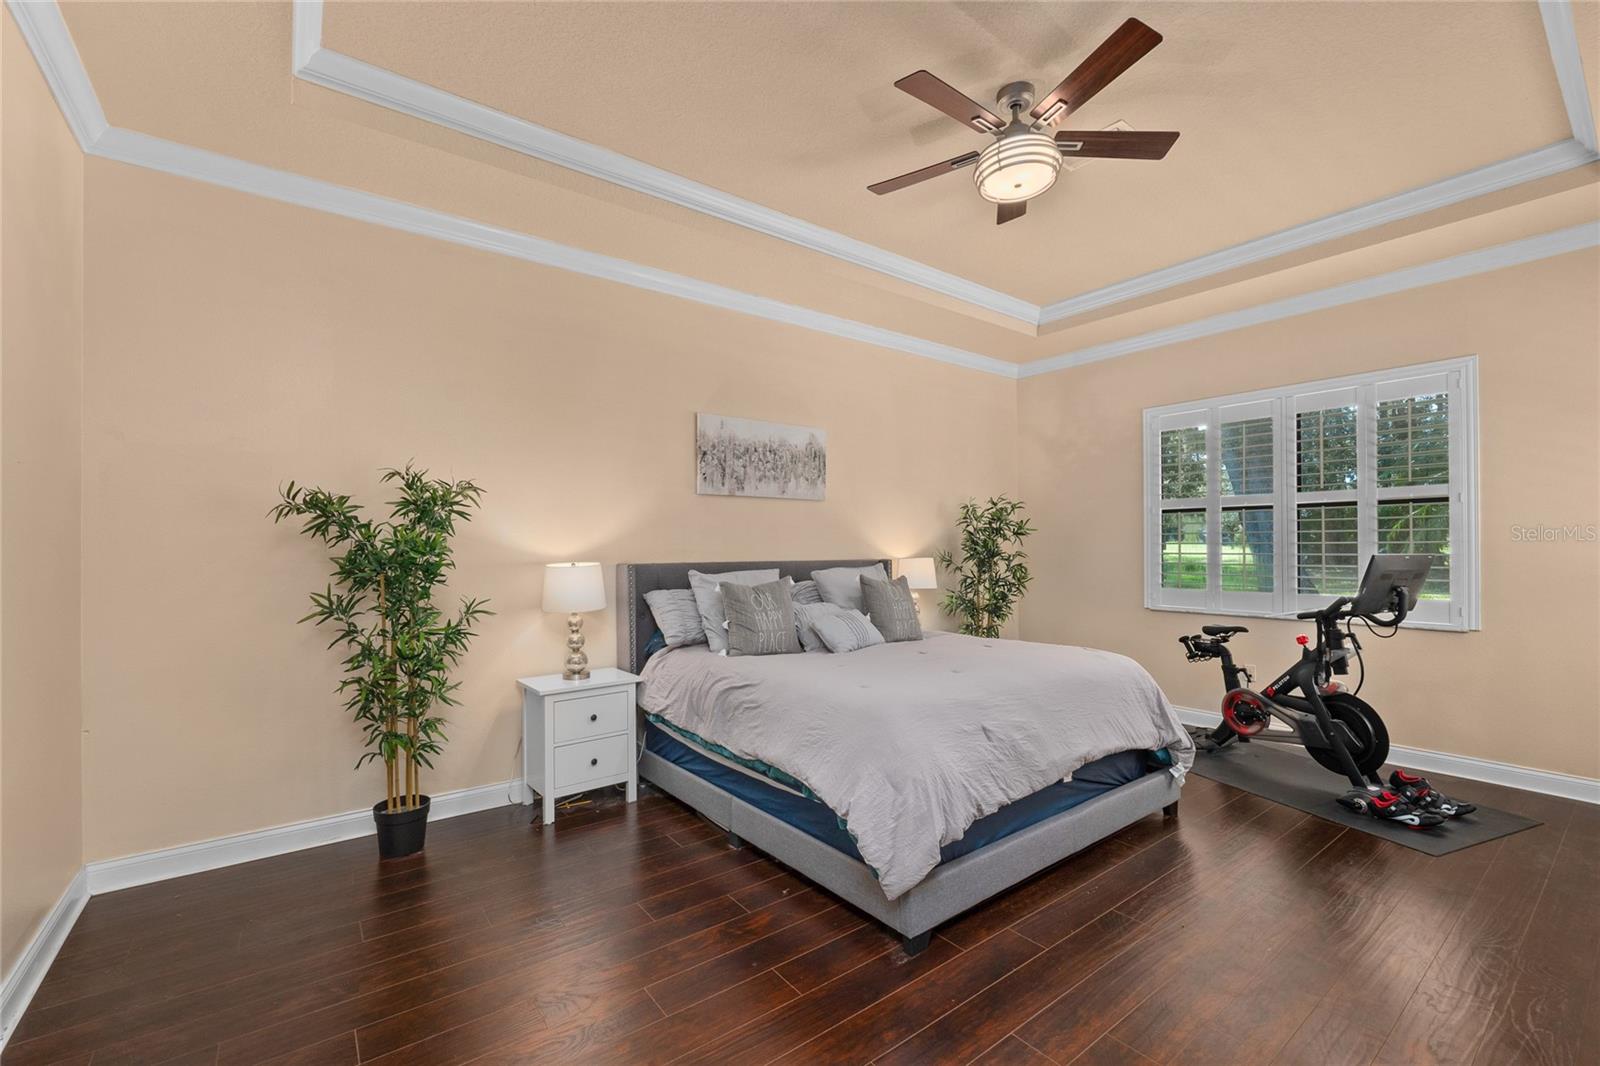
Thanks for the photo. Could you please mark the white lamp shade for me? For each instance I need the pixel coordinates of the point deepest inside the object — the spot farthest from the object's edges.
(573, 587)
(918, 572)
(1019, 166)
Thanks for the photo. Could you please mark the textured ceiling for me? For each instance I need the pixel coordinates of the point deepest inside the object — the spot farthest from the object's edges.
(1289, 112)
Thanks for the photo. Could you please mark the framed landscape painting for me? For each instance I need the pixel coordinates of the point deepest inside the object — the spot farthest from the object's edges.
(743, 457)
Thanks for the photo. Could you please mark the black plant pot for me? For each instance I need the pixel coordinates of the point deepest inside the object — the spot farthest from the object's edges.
(402, 833)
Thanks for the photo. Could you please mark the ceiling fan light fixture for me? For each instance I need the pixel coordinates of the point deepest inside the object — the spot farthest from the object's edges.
(1024, 160)
(1018, 166)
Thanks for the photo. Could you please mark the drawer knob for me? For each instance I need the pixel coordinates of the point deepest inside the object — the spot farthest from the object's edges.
(594, 762)
(594, 718)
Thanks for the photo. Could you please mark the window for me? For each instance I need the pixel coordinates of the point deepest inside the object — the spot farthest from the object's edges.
(1271, 502)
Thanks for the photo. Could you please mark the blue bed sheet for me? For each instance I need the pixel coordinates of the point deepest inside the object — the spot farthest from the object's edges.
(817, 820)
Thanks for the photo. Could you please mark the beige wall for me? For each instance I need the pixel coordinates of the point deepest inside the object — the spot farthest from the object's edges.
(1521, 690)
(41, 311)
(233, 343)
(229, 343)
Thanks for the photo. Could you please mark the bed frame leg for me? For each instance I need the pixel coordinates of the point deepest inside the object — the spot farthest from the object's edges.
(1170, 810)
(916, 945)
(734, 840)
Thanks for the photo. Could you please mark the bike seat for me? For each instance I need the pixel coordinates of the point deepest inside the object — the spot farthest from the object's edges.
(1222, 631)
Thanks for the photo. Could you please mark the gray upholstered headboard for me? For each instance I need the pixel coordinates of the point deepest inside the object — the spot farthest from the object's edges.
(634, 621)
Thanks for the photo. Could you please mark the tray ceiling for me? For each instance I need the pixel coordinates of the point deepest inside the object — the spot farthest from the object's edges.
(1289, 112)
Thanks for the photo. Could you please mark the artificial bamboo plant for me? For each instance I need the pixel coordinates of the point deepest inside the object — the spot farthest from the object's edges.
(992, 573)
(400, 646)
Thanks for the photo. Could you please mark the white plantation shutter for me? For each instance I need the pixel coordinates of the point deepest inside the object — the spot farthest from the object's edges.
(1414, 499)
(1413, 432)
(1246, 450)
(1272, 502)
(1247, 530)
(1329, 552)
(1182, 458)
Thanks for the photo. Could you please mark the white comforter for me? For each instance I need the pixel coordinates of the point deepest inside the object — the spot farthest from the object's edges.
(911, 743)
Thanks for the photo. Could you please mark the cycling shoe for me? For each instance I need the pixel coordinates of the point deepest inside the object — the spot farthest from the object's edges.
(1389, 807)
(1416, 791)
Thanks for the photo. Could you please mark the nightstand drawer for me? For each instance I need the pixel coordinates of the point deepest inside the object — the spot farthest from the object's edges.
(580, 717)
(606, 757)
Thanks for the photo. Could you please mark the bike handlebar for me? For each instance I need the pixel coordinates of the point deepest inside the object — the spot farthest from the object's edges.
(1334, 609)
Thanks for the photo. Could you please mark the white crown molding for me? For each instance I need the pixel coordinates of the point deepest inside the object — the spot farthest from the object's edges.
(113, 874)
(1546, 782)
(1541, 163)
(51, 43)
(305, 33)
(345, 74)
(1527, 250)
(47, 36)
(1562, 35)
(350, 76)
(19, 986)
(138, 149)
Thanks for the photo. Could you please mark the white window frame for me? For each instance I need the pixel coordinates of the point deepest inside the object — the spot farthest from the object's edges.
(1457, 377)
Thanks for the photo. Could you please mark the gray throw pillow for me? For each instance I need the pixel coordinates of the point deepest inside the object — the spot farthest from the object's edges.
(760, 618)
(846, 630)
(842, 584)
(709, 601)
(892, 609)
(805, 616)
(805, 592)
(676, 616)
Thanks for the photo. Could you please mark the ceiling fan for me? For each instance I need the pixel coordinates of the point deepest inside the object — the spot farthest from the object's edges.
(1024, 158)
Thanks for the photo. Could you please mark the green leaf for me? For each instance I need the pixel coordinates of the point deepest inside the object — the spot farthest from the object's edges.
(399, 647)
(990, 575)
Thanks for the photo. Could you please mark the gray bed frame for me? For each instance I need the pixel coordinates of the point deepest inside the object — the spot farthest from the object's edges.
(952, 887)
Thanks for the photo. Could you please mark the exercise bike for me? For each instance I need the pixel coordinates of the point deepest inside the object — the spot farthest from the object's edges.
(1342, 732)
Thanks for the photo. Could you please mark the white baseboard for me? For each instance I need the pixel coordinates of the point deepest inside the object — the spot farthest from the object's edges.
(23, 981)
(1549, 782)
(112, 874)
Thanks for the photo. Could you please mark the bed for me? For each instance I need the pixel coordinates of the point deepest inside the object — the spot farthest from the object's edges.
(909, 877)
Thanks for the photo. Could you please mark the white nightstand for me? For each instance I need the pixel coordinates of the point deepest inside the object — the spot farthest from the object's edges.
(578, 735)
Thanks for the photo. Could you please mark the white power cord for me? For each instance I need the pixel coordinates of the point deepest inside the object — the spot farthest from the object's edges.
(516, 775)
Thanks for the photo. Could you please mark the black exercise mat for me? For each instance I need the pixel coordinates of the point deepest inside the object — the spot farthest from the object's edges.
(1287, 775)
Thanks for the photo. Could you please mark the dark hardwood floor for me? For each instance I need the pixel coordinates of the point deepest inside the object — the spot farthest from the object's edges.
(1243, 932)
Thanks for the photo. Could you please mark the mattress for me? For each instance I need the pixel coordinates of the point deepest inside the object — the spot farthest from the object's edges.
(774, 793)
(911, 743)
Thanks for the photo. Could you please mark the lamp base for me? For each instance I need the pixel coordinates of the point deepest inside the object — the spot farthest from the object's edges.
(576, 667)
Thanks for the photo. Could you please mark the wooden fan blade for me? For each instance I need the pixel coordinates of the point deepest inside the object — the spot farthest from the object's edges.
(1007, 212)
(1130, 42)
(1115, 144)
(936, 94)
(892, 184)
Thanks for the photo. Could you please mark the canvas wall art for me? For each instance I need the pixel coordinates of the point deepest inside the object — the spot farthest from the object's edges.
(743, 457)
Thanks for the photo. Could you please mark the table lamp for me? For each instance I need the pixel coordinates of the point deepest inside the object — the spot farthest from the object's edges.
(574, 588)
(919, 574)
